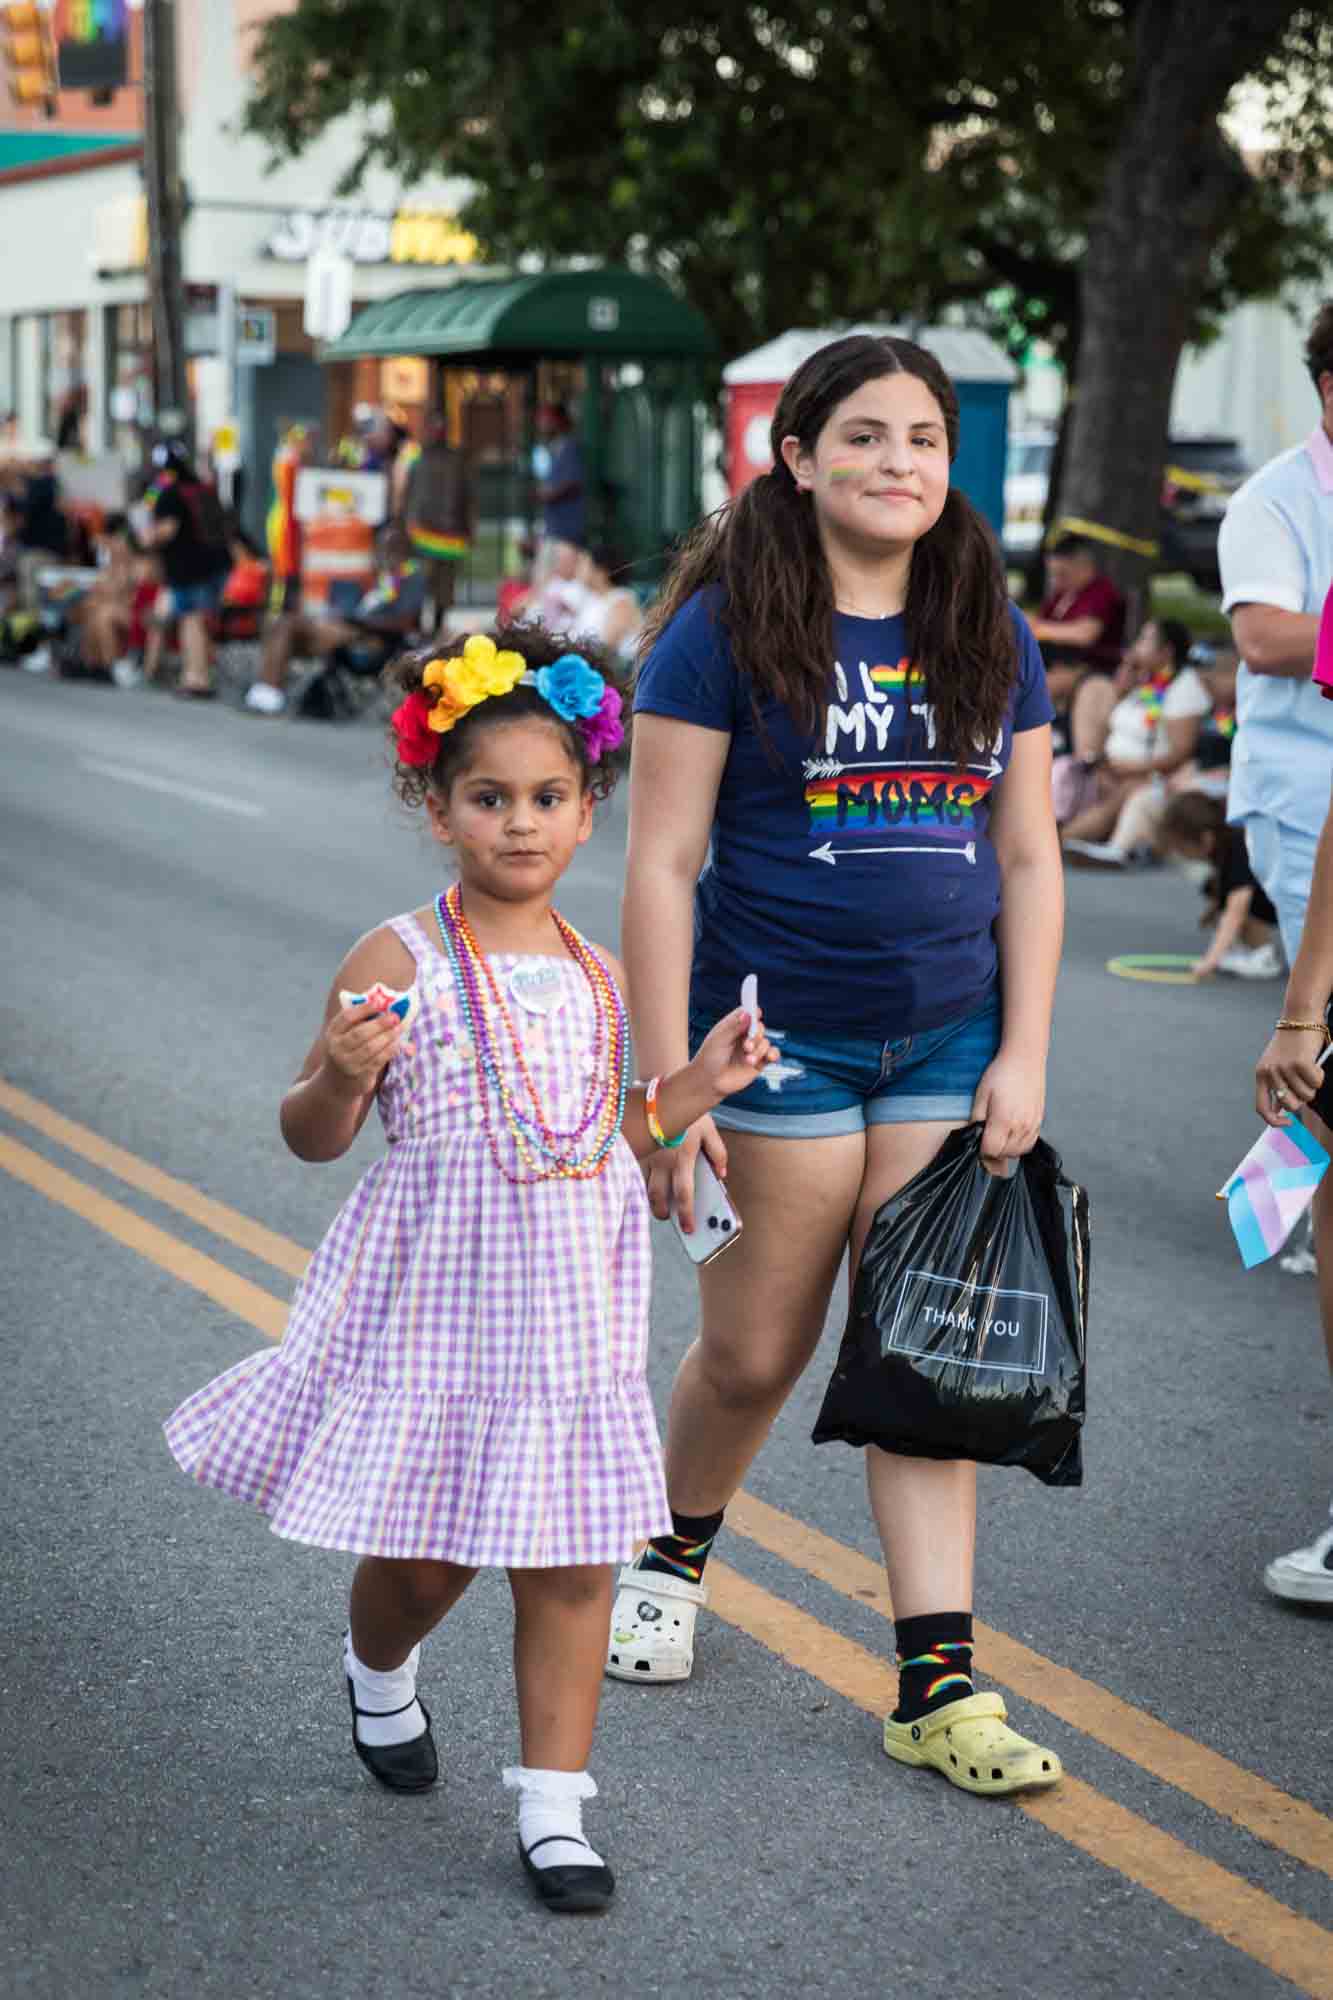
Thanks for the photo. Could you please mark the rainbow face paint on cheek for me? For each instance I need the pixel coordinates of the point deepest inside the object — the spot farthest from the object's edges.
(842, 469)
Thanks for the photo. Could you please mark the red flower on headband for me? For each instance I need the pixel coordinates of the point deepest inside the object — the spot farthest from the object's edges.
(417, 742)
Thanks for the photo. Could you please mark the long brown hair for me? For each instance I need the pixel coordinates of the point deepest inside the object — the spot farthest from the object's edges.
(764, 549)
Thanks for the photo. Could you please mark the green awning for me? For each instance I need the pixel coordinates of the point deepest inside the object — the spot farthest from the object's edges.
(606, 312)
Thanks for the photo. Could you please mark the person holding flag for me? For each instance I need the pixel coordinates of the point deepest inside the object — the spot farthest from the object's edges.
(1293, 1075)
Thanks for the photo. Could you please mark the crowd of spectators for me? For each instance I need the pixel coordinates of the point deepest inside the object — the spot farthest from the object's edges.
(1144, 728)
(148, 594)
(1144, 734)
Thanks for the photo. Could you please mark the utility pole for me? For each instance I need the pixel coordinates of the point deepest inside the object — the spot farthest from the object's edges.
(161, 167)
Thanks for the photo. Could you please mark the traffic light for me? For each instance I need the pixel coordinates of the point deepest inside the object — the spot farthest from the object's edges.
(29, 53)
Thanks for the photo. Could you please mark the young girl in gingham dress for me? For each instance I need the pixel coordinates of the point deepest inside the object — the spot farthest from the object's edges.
(461, 1383)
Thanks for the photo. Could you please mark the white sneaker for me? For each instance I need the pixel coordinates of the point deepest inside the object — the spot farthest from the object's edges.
(265, 700)
(1302, 1262)
(1263, 961)
(38, 661)
(1306, 1575)
(1096, 853)
(127, 673)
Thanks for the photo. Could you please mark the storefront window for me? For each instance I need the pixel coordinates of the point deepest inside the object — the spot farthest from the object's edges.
(64, 385)
(130, 402)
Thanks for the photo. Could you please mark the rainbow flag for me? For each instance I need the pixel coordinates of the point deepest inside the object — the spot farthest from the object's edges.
(1271, 1190)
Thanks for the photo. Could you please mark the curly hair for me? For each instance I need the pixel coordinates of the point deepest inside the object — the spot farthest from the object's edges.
(777, 608)
(540, 648)
(1319, 343)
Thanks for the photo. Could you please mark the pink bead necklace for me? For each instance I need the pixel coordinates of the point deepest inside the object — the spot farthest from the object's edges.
(547, 1152)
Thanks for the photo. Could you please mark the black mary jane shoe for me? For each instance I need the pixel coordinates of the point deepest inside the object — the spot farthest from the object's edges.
(403, 1767)
(571, 1889)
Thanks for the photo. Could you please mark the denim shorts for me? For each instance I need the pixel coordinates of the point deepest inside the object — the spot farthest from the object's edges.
(824, 1085)
(189, 598)
(1282, 858)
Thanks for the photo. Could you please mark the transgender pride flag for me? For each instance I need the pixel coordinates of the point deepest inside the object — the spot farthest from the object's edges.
(1271, 1190)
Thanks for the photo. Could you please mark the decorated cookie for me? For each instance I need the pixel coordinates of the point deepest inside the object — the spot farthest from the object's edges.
(385, 1000)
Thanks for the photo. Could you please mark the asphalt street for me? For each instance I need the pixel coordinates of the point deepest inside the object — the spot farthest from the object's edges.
(182, 1810)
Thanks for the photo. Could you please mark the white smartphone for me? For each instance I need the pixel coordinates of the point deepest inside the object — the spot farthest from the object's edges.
(716, 1223)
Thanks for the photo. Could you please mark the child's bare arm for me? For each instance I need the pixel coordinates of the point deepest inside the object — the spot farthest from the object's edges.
(328, 1103)
(1230, 923)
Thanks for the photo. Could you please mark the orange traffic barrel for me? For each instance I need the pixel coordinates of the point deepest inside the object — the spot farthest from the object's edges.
(336, 548)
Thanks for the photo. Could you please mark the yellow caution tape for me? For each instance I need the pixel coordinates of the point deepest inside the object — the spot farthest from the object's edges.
(1195, 482)
(1073, 524)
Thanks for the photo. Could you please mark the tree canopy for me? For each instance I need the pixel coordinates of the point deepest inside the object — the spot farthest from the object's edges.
(804, 163)
(792, 164)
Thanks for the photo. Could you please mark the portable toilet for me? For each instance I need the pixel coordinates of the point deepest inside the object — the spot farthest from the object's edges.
(981, 371)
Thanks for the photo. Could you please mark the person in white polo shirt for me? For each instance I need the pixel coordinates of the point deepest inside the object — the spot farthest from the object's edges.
(1276, 557)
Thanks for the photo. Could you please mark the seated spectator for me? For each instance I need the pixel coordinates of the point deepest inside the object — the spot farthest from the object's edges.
(40, 529)
(557, 589)
(102, 617)
(370, 631)
(1080, 623)
(1195, 832)
(1130, 735)
(1209, 770)
(1139, 829)
(607, 612)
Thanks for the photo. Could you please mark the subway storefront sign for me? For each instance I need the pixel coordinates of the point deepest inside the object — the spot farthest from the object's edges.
(408, 236)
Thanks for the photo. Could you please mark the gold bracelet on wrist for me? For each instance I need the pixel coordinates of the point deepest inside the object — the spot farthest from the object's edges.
(1308, 1027)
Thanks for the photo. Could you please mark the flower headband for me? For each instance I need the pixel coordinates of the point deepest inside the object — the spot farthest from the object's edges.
(450, 689)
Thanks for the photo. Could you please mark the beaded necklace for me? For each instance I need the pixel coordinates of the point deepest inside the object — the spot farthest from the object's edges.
(1151, 692)
(547, 1152)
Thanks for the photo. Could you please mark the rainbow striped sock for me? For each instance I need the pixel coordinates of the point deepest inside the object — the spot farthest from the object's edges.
(684, 1552)
(934, 1662)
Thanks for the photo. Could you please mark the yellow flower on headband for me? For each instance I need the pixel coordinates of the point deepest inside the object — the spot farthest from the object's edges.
(447, 708)
(470, 677)
(503, 671)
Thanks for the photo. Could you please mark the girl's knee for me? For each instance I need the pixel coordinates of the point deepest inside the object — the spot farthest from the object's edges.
(422, 1587)
(572, 1586)
(752, 1377)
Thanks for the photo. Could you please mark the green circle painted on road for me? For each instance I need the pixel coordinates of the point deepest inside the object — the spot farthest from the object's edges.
(1163, 968)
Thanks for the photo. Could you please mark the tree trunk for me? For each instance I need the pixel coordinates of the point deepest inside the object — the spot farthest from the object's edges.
(1163, 206)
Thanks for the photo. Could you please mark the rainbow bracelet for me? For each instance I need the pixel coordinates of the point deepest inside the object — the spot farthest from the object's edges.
(655, 1132)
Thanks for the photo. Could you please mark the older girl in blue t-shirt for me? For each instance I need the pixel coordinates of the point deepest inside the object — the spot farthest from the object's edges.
(840, 702)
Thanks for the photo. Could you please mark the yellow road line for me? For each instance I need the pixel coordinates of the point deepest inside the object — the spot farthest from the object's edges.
(1239, 1795)
(205, 1274)
(1246, 1918)
(1224, 1903)
(279, 1251)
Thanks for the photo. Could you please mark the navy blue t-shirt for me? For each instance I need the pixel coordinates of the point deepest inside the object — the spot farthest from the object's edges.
(855, 873)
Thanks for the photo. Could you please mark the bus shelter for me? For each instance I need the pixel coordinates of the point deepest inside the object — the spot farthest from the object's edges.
(634, 362)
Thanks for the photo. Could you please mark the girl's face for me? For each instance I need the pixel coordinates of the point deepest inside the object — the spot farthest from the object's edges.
(1148, 654)
(516, 812)
(878, 475)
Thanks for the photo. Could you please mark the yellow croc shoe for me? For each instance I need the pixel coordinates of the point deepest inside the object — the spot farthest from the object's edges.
(973, 1745)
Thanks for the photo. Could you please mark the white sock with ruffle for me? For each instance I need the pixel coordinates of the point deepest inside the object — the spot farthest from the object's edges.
(390, 1712)
(550, 1810)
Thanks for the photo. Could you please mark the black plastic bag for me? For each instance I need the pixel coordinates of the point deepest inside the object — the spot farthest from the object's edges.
(966, 1333)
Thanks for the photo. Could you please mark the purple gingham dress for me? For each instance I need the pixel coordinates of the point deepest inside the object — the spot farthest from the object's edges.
(462, 1375)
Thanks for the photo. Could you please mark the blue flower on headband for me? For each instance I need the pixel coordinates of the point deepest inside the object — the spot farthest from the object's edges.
(571, 686)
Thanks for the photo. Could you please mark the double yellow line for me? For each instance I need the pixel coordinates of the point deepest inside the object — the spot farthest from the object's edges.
(1248, 1918)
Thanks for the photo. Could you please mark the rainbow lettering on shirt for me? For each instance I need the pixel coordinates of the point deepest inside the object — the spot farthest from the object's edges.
(866, 799)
